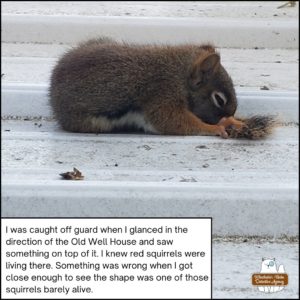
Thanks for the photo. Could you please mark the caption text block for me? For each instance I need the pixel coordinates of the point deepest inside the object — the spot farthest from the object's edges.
(106, 258)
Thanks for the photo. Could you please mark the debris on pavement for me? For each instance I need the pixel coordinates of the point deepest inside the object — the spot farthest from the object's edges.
(75, 175)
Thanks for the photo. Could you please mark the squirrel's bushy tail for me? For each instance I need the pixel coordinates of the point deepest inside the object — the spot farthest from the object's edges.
(256, 127)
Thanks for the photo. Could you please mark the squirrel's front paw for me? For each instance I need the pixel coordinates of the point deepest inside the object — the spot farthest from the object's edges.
(231, 121)
(221, 131)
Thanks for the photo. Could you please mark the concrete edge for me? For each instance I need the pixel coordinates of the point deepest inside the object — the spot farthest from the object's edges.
(72, 29)
(258, 206)
(34, 102)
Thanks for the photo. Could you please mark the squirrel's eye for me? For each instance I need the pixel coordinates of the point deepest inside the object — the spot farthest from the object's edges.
(219, 99)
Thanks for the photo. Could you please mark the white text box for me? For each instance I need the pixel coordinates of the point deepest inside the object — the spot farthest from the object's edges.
(106, 258)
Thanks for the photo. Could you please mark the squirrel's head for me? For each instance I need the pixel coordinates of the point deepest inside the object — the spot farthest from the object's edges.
(212, 95)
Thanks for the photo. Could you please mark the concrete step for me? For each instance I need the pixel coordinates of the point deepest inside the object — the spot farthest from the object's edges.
(149, 175)
(142, 175)
(73, 29)
(245, 25)
(276, 69)
(31, 100)
(210, 9)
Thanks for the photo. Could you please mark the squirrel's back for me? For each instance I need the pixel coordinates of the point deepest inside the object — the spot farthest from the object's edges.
(102, 77)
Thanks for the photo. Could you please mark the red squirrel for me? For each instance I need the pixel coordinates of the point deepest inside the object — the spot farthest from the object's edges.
(105, 86)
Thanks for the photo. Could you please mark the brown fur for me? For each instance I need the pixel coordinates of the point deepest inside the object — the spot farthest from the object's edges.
(98, 83)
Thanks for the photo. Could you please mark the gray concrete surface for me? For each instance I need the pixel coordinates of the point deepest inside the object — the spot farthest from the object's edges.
(246, 25)
(213, 9)
(142, 175)
(74, 29)
(277, 69)
(35, 102)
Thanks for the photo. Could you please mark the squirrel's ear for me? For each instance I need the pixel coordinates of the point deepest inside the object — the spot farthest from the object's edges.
(203, 68)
